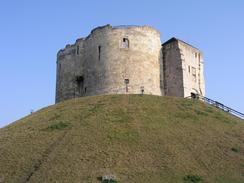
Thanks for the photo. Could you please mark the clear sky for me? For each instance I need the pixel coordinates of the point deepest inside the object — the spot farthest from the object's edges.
(32, 31)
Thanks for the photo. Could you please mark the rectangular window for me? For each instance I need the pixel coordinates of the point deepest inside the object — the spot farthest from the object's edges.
(189, 69)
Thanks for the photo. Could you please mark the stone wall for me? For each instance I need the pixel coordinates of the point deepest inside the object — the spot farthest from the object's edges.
(128, 60)
(183, 69)
(65, 73)
(172, 70)
(111, 60)
(192, 66)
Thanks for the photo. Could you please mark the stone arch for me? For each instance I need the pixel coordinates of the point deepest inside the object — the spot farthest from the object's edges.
(193, 90)
(194, 93)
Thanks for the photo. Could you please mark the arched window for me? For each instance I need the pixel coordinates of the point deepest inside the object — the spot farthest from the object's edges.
(125, 43)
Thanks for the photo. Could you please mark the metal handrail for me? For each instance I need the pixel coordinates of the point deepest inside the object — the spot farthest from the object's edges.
(217, 105)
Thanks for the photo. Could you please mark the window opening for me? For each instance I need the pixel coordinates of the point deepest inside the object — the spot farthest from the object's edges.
(99, 52)
(77, 50)
(127, 81)
(125, 43)
(142, 90)
(80, 83)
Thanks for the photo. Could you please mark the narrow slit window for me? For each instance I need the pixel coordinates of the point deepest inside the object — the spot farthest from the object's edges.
(127, 81)
(99, 52)
(77, 50)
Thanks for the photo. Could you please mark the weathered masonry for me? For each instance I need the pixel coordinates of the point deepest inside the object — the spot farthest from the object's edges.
(128, 60)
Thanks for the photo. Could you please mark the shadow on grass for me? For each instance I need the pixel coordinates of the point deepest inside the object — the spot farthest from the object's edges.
(58, 126)
(192, 179)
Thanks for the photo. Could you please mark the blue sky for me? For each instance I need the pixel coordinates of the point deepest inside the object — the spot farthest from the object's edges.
(33, 31)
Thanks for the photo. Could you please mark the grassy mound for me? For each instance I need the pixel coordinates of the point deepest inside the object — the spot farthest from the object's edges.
(138, 139)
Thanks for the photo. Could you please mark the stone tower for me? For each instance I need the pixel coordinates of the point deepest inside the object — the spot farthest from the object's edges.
(182, 69)
(128, 60)
(111, 60)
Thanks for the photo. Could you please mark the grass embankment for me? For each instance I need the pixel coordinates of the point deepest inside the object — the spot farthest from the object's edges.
(139, 139)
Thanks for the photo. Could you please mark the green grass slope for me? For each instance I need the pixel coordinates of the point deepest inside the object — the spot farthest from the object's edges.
(139, 139)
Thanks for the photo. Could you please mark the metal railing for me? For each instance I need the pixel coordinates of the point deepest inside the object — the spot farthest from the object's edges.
(217, 105)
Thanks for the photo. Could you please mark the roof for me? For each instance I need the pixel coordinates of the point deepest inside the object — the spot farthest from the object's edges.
(173, 39)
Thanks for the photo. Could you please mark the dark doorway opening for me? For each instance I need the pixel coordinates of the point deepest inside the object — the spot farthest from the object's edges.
(80, 83)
